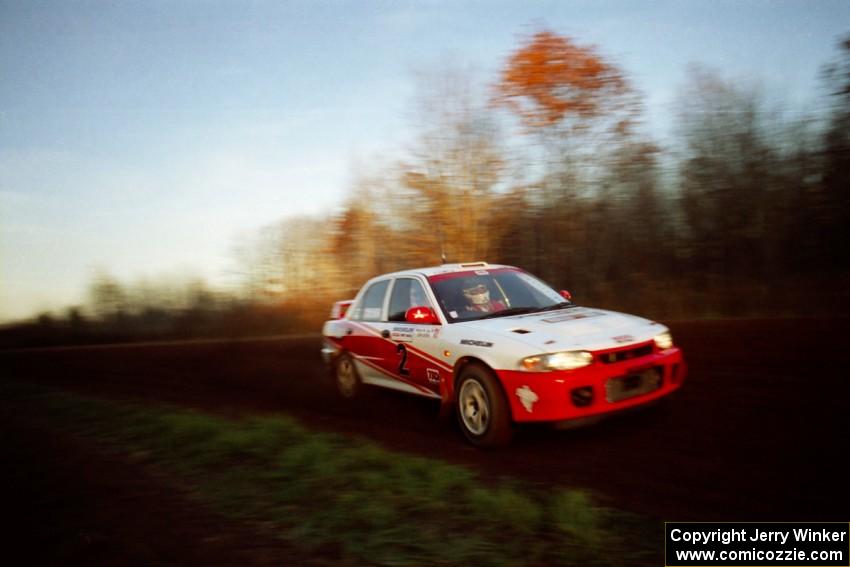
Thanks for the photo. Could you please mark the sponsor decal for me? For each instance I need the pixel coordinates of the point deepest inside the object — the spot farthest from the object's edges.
(407, 334)
(402, 364)
(620, 339)
(417, 387)
(453, 314)
(470, 342)
(427, 332)
(527, 398)
(401, 334)
(571, 316)
(433, 375)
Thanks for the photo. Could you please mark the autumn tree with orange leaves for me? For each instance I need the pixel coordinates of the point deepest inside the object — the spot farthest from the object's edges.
(580, 110)
(551, 82)
(744, 218)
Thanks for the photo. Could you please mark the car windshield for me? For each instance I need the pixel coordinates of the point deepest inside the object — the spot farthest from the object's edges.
(479, 294)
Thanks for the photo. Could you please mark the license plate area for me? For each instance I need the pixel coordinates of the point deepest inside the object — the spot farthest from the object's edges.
(633, 384)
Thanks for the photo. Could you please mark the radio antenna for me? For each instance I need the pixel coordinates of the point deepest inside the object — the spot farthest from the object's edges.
(442, 246)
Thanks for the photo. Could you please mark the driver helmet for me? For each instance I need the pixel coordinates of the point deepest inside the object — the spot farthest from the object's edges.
(476, 291)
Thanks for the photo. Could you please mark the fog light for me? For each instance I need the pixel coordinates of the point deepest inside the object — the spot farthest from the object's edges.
(582, 397)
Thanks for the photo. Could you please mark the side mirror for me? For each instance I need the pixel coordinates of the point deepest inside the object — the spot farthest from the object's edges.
(566, 295)
(421, 315)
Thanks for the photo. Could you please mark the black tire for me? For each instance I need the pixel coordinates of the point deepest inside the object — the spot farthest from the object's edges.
(482, 410)
(346, 380)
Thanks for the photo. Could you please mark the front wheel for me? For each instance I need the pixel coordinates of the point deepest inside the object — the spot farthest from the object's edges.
(345, 377)
(482, 410)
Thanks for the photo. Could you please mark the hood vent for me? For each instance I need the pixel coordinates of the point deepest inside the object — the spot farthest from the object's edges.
(520, 331)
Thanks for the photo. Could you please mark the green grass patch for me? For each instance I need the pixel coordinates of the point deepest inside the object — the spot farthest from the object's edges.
(341, 496)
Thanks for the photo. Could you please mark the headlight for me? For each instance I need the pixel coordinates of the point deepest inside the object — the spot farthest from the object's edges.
(664, 340)
(556, 361)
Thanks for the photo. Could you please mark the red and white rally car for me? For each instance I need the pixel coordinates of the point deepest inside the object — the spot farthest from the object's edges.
(498, 346)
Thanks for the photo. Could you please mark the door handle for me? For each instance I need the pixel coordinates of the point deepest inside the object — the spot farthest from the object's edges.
(385, 333)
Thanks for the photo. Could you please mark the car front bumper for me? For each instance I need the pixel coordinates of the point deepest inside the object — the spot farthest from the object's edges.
(593, 390)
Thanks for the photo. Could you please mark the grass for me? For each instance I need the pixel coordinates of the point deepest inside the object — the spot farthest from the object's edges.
(345, 497)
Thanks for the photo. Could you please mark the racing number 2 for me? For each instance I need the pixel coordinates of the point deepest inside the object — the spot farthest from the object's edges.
(402, 365)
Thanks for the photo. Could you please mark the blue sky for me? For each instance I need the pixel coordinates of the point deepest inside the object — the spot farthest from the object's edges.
(142, 137)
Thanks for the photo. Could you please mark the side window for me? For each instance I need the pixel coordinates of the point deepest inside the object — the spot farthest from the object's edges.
(407, 293)
(372, 302)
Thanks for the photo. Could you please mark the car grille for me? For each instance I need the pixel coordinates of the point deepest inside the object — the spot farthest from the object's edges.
(625, 354)
(634, 384)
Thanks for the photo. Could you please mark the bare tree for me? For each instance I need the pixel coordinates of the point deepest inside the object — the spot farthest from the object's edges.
(108, 297)
(726, 172)
(577, 107)
(453, 172)
(836, 175)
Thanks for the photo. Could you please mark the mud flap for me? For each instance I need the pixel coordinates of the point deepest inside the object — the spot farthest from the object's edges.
(447, 405)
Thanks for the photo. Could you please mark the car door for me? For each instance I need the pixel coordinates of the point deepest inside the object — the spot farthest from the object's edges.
(413, 346)
(365, 342)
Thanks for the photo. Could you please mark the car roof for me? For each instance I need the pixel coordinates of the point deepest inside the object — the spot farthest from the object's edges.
(446, 269)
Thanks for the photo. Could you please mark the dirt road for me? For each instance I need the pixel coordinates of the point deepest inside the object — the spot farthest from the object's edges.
(757, 432)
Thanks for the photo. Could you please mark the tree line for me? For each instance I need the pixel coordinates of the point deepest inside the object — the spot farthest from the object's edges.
(551, 166)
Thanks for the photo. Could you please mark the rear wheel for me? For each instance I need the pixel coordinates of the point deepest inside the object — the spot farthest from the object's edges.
(482, 410)
(345, 377)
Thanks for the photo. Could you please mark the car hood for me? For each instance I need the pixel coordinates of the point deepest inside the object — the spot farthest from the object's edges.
(569, 329)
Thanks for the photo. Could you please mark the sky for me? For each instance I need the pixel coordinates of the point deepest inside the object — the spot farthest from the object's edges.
(144, 138)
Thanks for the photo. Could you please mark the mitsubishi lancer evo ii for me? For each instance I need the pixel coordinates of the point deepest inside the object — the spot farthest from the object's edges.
(498, 346)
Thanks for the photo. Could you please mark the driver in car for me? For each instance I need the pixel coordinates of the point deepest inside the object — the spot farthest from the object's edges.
(477, 297)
